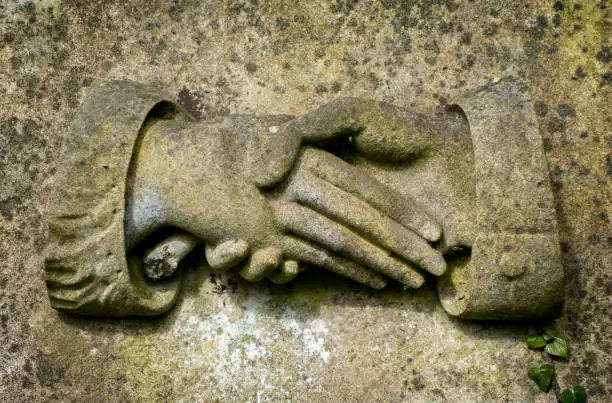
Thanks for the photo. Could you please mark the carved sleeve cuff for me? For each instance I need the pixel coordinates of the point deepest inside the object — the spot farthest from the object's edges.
(87, 269)
(515, 270)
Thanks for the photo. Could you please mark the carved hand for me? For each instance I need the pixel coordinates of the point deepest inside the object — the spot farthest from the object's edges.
(380, 132)
(327, 213)
(431, 155)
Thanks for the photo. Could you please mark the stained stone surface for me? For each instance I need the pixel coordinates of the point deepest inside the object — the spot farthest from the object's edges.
(320, 337)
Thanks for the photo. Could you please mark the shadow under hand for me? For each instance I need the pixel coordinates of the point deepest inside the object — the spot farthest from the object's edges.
(205, 293)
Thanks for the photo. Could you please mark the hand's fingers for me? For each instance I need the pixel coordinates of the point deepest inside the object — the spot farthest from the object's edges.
(309, 253)
(385, 199)
(261, 263)
(288, 271)
(348, 210)
(227, 254)
(163, 260)
(315, 227)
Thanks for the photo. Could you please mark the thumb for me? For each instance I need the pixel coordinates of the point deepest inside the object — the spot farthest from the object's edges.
(394, 135)
(280, 146)
(278, 153)
(381, 132)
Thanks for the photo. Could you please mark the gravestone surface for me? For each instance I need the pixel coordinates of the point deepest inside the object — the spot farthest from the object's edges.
(319, 336)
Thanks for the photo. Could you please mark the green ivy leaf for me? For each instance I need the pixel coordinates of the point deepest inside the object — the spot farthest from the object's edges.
(548, 329)
(576, 395)
(549, 332)
(534, 339)
(542, 376)
(557, 347)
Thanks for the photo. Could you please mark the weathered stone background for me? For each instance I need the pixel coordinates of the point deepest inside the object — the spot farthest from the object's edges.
(321, 338)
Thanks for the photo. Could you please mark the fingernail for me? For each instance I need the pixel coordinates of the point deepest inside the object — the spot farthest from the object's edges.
(377, 283)
(290, 268)
(431, 232)
(436, 265)
(414, 282)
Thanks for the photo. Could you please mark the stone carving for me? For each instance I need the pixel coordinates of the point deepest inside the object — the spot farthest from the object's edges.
(362, 188)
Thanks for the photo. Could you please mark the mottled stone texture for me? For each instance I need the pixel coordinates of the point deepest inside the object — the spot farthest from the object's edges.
(322, 337)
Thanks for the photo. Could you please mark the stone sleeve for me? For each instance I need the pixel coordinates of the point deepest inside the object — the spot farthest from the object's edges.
(515, 269)
(86, 266)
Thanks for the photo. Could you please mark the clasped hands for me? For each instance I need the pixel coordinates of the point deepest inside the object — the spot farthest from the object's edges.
(264, 199)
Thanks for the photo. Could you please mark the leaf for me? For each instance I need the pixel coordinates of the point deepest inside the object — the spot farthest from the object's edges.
(534, 339)
(580, 394)
(549, 330)
(542, 376)
(557, 347)
(576, 395)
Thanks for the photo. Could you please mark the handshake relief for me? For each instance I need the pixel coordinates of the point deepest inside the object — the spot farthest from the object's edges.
(264, 200)
(364, 189)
